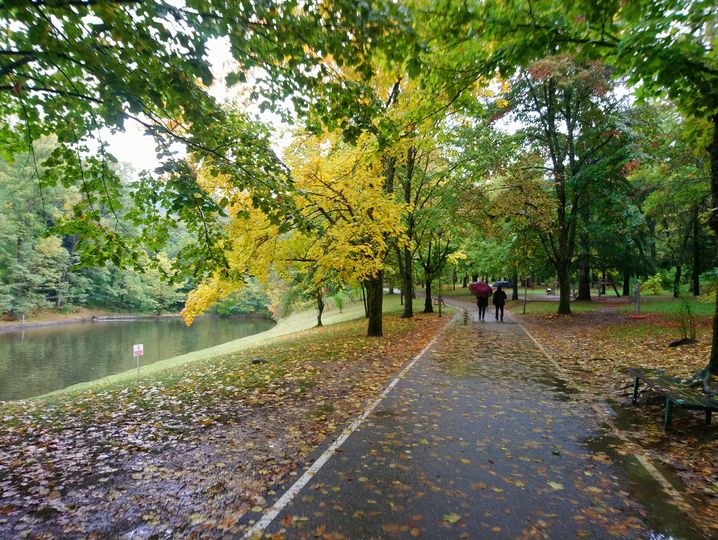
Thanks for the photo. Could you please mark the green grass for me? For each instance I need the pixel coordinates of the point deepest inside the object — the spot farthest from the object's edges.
(293, 324)
(666, 305)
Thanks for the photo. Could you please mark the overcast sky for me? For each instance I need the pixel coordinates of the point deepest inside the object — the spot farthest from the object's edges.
(138, 149)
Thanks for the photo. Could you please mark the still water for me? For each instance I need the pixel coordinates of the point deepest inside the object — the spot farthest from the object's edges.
(39, 360)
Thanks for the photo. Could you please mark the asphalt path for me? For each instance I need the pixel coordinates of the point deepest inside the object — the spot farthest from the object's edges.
(478, 439)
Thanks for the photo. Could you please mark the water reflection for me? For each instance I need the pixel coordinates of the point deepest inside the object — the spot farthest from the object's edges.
(39, 360)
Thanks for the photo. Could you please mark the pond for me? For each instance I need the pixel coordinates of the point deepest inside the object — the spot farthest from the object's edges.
(35, 361)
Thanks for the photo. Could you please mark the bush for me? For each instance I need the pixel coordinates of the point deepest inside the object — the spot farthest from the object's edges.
(709, 283)
(687, 319)
(339, 299)
(653, 285)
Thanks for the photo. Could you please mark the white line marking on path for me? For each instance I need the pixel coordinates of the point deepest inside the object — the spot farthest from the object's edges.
(564, 374)
(284, 500)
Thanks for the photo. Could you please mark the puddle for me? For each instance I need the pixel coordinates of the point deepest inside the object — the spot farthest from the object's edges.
(559, 386)
(665, 520)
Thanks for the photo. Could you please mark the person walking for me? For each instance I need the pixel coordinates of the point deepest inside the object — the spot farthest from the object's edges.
(499, 302)
(483, 303)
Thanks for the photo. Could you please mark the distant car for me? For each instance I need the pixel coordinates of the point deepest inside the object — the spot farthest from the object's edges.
(502, 284)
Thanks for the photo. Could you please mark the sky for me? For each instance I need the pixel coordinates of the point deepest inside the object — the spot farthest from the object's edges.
(134, 147)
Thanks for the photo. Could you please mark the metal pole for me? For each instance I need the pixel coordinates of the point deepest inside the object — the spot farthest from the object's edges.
(138, 365)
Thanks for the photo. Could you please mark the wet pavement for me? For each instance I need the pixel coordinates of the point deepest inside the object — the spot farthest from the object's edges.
(478, 440)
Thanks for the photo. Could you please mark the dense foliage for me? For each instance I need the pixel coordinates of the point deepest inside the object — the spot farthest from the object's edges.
(490, 139)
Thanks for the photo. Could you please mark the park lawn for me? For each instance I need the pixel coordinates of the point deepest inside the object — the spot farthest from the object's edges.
(94, 460)
(667, 305)
(595, 350)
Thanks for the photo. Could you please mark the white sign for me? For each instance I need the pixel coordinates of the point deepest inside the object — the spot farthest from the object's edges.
(138, 350)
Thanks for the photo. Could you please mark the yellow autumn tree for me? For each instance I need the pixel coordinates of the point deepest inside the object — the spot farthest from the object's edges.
(345, 225)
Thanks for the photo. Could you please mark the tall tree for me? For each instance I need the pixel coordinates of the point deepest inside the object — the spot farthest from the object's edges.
(663, 47)
(565, 107)
(345, 225)
(74, 68)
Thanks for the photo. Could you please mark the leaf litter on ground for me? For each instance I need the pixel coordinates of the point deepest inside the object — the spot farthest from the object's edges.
(191, 450)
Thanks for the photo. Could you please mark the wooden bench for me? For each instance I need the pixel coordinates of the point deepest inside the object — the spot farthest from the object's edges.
(438, 301)
(674, 391)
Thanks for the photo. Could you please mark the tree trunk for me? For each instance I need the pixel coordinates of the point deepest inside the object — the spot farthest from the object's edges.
(515, 281)
(712, 366)
(320, 308)
(696, 254)
(406, 264)
(608, 278)
(428, 307)
(375, 298)
(626, 283)
(677, 281)
(363, 298)
(465, 282)
(453, 279)
(564, 288)
(584, 258)
(584, 277)
(475, 277)
(407, 283)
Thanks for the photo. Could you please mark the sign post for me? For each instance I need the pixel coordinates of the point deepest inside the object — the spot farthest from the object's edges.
(137, 351)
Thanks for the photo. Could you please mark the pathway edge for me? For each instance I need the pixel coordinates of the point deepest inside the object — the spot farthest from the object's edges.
(640, 457)
(281, 503)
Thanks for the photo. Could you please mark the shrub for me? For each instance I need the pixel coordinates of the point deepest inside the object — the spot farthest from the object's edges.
(709, 283)
(339, 299)
(687, 319)
(653, 285)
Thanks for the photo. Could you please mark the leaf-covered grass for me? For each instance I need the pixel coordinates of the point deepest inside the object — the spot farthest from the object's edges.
(549, 306)
(632, 330)
(597, 349)
(257, 419)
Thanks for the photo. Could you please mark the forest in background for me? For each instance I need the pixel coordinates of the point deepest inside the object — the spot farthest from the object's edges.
(39, 268)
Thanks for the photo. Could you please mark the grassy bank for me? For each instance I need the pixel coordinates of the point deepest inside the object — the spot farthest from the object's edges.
(292, 324)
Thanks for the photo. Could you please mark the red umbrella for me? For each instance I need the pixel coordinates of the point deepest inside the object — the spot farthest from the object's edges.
(479, 288)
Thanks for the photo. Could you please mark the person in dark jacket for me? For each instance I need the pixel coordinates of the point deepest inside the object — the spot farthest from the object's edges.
(483, 303)
(499, 302)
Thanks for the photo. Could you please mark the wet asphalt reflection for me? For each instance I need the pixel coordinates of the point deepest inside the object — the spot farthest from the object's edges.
(477, 441)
